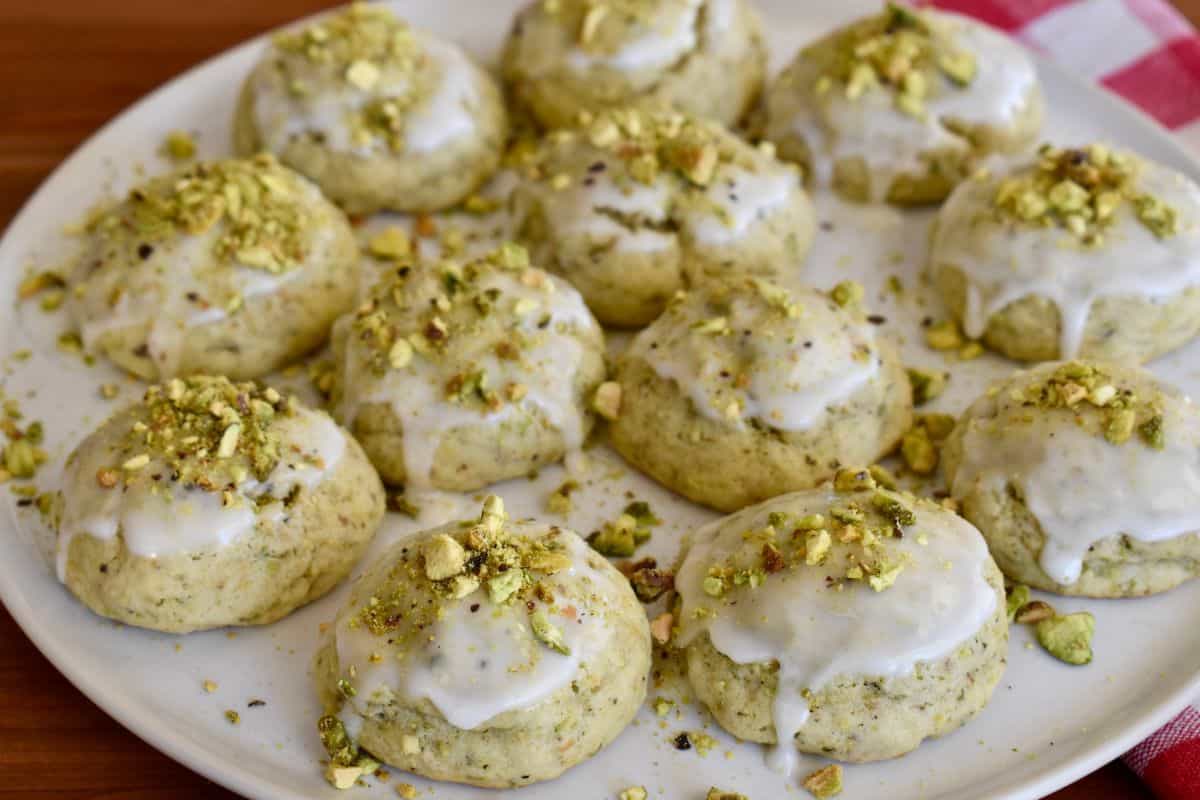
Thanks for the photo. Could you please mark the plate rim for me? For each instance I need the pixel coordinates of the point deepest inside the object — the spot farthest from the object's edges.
(141, 722)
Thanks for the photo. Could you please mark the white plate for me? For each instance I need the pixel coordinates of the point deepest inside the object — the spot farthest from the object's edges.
(1047, 725)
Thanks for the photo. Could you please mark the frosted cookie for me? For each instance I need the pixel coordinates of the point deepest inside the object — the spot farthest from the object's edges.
(1082, 252)
(229, 267)
(212, 503)
(1083, 477)
(380, 115)
(455, 376)
(740, 393)
(492, 652)
(898, 106)
(704, 57)
(850, 624)
(639, 204)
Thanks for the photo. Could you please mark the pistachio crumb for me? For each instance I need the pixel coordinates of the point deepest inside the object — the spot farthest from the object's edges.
(825, 782)
(179, 146)
(1068, 638)
(607, 400)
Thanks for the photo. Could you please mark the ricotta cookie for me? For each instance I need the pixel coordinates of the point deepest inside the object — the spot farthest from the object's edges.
(229, 267)
(740, 393)
(850, 624)
(639, 204)
(1084, 479)
(899, 106)
(454, 376)
(381, 116)
(493, 652)
(1084, 252)
(704, 57)
(212, 503)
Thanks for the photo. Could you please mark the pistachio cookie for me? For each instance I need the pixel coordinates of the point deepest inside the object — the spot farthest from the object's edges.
(381, 116)
(229, 267)
(1083, 252)
(1083, 477)
(900, 105)
(639, 204)
(212, 503)
(850, 622)
(742, 392)
(704, 57)
(492, 652)
(458, 375)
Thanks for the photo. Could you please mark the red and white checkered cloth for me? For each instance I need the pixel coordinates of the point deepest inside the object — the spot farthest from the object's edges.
(1145, 51)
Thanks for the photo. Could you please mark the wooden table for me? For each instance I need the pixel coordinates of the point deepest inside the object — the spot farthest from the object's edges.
(67, 66)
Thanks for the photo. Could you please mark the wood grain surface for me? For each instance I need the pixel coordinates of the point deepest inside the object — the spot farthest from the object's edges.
(66, 67)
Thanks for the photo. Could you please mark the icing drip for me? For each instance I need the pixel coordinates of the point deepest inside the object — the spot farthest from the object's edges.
(792, 369)
(1005, 263)
(1081, 488)
(156, 522)
(939, 601)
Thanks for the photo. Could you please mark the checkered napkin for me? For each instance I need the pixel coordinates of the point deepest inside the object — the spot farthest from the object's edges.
(1145, 51)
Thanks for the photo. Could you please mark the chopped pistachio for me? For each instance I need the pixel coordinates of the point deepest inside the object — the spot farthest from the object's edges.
(232, 717)
(38, 283)
(21, 459)
(825, 782)
(1033, 612)
(547, 633)
(919, 453)
(847, 293)
(720, 794)
(1018, 596)
(390, 244)
(1068, 638)
(444, 557)
(607, 400)
(179, 146)
(505, 585)
(559, 501)
(944, 335)
(926, 385)
(633, 793)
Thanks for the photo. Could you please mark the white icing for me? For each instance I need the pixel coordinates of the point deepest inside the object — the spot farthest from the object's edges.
(663, 43)
(416, 394)
(156, 523)
(797, 367)
(475, 665)
(1081, 488)
(593, 210)
(444, 115)
(891, 142)
(736, 200)
(1003, 262)
(939, 601)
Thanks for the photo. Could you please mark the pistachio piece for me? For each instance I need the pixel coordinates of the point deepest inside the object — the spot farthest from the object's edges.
(853, 479)
(825, 782)
(547, 633)
(720, 794)
(1068, 638)
(1018, 596)
(607, 400)
(926, 385)
(847, 293)
(918, 451)
(1033, 612)
(505, 585)
(444, 557)
(633, 793)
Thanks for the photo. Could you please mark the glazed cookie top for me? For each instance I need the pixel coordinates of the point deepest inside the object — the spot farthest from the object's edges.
(1074, 225)
(362, 81)
(448, 344)
(1094, 450)
(901, 83)
(189, 248)
(479, 617)
(639, 39)
(753, 353)
(637, 175)
(852, 579)
(194, 466)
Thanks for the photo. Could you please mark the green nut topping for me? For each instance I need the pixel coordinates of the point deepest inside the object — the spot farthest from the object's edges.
(264, 224)
(1081, 190)
(1018, 596)
(1092, 393)
(1068, 638)
(926, 385)
(825, 782)
(901, 52)
(621, 537)
(548, 633)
